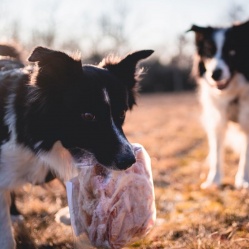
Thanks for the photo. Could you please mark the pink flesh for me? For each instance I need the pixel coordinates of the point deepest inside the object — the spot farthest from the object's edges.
(114, 207)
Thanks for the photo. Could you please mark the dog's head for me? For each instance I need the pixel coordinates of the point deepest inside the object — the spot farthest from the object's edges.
(222, 52)
(84, 107)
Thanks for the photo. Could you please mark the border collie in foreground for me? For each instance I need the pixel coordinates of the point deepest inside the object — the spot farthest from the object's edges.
(58, 114)
(221, 67)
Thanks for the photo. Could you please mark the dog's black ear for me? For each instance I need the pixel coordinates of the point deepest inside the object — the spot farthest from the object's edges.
(125, 69)
(40, 54)
(54, 67)
(200, 33)
(132, 59)
(197, 29)
(200, 30)
(48, 56)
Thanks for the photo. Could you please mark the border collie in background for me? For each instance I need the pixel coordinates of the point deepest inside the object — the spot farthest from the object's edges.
(59, 113)
(221, 67)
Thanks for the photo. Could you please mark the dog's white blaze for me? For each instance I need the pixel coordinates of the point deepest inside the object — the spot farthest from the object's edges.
(106, 96)
(217, 62)
(219, 38)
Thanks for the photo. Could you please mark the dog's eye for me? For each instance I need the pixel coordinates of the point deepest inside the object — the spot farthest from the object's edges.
(209, 49)
(88, 116)
(122, 115)
(232, 52)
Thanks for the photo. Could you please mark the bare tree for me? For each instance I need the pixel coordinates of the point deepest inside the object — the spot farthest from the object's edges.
(236, 13)
(15, 31)
(47, 35)
(181, 59)
(115, 29)
(44, 38)
(112, 34)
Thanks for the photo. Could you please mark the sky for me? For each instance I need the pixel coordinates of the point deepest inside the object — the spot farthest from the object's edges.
(146, 24)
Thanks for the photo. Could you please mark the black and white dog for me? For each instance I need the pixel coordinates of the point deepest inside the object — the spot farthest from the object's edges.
(221, 67)
(61, 112)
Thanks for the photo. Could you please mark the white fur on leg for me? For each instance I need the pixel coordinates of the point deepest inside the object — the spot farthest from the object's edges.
(6, 235)
(216, 151)
(214, 119)
(215, 161)
(242, 176)
(213, 179)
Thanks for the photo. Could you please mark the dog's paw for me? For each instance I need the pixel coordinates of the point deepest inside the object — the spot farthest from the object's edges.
(213, 180)
(241, 183)
(63, 216)
(209, 184)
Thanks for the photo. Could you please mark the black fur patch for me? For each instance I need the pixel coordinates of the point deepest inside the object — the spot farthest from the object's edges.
(236, 49)
(201, 68)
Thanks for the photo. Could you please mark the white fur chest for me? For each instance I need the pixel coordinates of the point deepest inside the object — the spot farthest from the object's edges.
(18, 165)
(220, 106)
(211, 96)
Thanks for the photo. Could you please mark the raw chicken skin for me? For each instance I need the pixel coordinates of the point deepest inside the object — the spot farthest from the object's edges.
(113, 207)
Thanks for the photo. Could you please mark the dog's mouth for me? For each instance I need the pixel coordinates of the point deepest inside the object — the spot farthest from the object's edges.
(84, 158)
(222, 84)
(219, 84)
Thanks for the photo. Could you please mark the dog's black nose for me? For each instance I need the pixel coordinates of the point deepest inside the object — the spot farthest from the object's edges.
(217, 74)
(123, 162)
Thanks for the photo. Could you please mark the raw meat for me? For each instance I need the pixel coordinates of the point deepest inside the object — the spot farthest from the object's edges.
(113, 207)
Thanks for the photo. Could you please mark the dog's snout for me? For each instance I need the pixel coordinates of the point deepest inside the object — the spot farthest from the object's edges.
(124, 163)
(217, 74)
(125, 160)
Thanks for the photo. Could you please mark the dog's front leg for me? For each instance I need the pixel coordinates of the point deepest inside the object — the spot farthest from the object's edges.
(215, 133)
(7, 240)
(242, 176)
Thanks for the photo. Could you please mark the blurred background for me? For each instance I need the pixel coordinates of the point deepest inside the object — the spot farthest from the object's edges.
(166, 122)
(97, 28)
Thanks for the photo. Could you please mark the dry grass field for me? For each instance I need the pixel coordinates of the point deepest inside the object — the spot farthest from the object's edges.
(168, 127)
